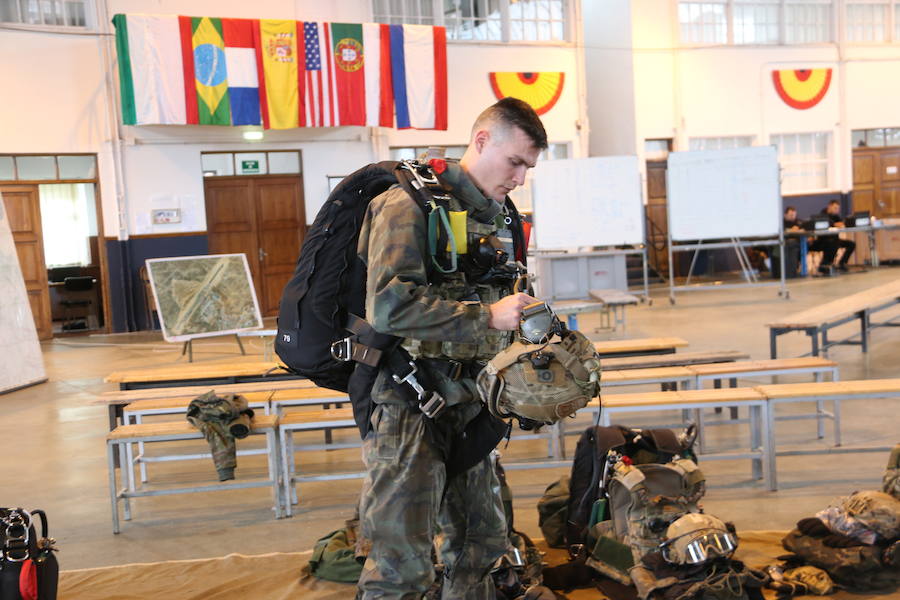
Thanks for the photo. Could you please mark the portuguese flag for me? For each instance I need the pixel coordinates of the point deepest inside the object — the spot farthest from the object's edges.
(349, 72)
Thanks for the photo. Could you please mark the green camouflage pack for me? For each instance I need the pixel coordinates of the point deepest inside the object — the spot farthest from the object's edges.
(221, 419)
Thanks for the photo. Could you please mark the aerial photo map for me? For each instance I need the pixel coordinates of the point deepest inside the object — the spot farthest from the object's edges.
(200, 296)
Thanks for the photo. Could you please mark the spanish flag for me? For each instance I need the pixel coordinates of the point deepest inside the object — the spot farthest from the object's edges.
(205, 73)
(276, 58)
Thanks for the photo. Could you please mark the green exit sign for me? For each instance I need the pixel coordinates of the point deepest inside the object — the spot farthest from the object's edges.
(249, 166)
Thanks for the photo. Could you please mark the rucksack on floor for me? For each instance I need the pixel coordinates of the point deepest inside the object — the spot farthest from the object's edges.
(627, 488)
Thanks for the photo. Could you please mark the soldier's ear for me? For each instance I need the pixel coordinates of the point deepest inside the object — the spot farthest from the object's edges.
(481, 139)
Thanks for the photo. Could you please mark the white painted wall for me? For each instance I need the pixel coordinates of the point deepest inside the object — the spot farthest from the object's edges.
(61, 104)
(682, 92)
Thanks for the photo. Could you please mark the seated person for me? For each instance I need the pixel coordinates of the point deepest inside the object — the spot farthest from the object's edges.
(791, 244)
(829, 244)
(790, 220)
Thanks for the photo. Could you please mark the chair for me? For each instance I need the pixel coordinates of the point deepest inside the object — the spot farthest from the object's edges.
(76, 284)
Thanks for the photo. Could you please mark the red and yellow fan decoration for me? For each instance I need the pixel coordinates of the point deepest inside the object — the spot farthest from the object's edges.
(802, 88)
(540, 90)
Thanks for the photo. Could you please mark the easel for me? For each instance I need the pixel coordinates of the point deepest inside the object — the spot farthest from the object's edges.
(188, 348)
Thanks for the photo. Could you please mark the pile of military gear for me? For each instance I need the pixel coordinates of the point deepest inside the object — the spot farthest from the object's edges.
(633, 523)
(546, 375)
(855, 541)
(222, 420)
(694, 561)
(338, 556)
(28, 566)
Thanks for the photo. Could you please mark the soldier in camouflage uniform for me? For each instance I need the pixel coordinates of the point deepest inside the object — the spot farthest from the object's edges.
(407, 495)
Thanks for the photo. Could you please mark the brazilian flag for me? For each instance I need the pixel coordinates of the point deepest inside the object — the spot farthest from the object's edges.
(210, 75)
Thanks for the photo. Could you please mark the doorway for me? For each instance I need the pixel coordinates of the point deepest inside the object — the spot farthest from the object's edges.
(52, 202)
(262, 217)
(876, 181)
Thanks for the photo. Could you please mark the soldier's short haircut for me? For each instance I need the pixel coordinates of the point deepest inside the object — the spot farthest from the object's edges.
(830, 202)
(512, 111)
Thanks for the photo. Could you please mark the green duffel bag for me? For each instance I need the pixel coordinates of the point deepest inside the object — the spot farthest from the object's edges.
(553, 512)
(334, 557)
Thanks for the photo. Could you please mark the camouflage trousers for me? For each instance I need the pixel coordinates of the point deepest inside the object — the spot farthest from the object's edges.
(407, 499)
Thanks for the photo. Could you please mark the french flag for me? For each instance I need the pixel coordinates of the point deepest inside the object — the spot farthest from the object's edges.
(240, 63)
(419, 76)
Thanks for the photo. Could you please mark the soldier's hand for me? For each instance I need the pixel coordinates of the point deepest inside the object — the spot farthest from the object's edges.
(506, 312)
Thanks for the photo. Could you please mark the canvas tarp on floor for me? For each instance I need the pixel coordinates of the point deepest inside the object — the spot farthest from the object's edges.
(276, 576)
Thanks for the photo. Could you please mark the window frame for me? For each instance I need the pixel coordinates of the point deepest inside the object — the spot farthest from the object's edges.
(829, 153)
(781, 25)
(890, 33)
(90, 20)
(438, 19)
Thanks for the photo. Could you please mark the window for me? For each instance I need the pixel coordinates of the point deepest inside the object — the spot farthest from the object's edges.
(804, 161)
(721, 143)
(897, 21)
(886, 136)
(657, 149)
(47, 13)
(224, 164)
(756, 22)
(867, 22)
(807, 22)
(68, 221)
(49, 167)
(702, 22)
(413, 152)
(481, 20)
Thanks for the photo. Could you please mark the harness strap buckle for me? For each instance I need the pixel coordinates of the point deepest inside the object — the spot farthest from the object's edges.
(410, 379)
(433, 406)
(341, 350)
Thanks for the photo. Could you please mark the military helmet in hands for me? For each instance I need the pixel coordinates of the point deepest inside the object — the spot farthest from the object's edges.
(542, 383)
(878, 511)
(695, 538)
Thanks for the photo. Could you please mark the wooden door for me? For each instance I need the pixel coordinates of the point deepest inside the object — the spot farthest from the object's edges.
(263, 218)
(23, 209)
(657, 223)
(876, 181)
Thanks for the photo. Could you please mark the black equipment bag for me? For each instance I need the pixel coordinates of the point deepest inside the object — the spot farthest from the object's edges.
(330, 281)
(28, 566)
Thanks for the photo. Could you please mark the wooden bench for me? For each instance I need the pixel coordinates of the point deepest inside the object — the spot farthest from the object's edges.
(208, 373)
(680, 359)
(639, 346)
(118, 439)
(835, 392)
(817, 321)
(695, 400)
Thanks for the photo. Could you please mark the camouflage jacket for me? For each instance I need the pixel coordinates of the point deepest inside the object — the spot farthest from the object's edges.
(446, 320)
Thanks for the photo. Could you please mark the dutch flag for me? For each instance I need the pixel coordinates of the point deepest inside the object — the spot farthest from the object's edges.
(419, 74)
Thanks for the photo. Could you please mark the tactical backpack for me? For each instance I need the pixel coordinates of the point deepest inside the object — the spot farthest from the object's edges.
(329, 282)
(626, 489)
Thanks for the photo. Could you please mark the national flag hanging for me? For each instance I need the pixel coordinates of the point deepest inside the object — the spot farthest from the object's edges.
(379, 92)
(419, 75)
(283, 74)
(205, 71)
(150, 79)
(243, 79)
(277, 58)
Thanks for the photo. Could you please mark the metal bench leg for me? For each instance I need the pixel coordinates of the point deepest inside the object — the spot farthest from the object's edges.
(864, 329)
(756, 443)
(773, 343)
(733, 409)
(769, 439)
(287, 483)
(113, 491)
(293, 459)
(813, 333)
(717, 384)
(138, 419)
(127, 480)
(836, 409)
(272, 448)
(820, 410)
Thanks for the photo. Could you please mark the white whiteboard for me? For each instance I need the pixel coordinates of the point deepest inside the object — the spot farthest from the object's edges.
(724, 194)
(587, 202)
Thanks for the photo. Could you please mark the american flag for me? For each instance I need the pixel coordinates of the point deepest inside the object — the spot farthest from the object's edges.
(319, 89)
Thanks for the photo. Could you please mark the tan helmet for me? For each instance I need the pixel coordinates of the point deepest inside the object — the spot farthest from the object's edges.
(541, 382)
(694, 538)
(878, 511)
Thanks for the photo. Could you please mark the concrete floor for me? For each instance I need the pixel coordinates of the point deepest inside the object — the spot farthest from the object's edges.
(52, 439)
